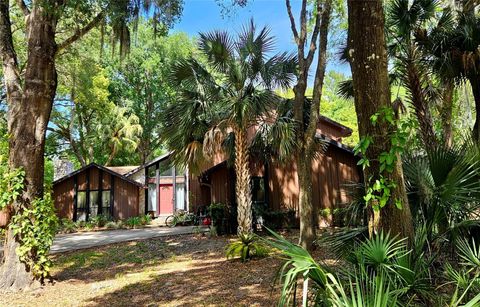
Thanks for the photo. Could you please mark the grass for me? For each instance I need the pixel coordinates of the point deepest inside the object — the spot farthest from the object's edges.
(173, 271)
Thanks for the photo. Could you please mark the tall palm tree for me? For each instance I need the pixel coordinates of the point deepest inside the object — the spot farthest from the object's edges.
(404, 19)
(227, 92)
(454, 49)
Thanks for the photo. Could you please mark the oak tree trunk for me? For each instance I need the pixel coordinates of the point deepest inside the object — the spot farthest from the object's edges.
(29, 107)
(242, 184)
(369, 64)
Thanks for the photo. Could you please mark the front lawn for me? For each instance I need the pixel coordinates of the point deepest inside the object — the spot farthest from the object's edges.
(172, 271)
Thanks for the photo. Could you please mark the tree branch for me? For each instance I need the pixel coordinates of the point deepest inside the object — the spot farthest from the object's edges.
(81, 32)
(320, 72)
(11, 73)
(21, 4)
(292, 20)
(313, 41)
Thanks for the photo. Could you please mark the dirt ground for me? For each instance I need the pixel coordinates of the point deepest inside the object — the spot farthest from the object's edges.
(186, 270)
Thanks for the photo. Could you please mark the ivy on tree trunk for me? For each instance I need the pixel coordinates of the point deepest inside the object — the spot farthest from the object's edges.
(368, 60)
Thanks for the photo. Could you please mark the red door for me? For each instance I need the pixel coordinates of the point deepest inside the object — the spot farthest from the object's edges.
(165, 192)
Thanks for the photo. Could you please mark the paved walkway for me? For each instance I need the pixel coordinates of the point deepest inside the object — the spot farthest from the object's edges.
(81, 240)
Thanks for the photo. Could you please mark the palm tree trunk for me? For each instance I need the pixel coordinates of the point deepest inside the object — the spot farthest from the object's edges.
(372, 93)
(446, 113)
(422, 109)
(242, 184)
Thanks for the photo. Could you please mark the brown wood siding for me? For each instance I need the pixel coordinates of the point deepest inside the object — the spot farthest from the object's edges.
(220, 186)
(82, 180)
(283, 186)
(330, 173)
(106, 181)
(126, 194)
(125, 199)
(63, 198)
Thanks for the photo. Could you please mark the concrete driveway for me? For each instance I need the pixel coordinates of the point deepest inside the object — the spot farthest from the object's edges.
(81, 240)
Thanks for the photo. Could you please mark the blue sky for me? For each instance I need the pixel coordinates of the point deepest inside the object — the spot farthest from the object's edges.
(205, 15)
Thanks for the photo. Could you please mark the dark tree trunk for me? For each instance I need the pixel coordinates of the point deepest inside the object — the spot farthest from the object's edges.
(446, 113)
(369, 64)
(29, 108)
(422, 109)
(475, 83)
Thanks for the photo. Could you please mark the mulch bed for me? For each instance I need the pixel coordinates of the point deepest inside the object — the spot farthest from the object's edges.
(170, 271)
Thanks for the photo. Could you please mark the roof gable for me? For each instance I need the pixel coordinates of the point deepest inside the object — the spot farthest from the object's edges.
(100, 167)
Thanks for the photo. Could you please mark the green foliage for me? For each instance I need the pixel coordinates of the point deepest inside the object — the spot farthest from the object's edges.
(337, 107)
(444, 190)
(230, 91)
(379, 189)
(99, 220)
(11, 184)
(217, 212)
(247, 246)
(145, 219)
(112, 225)
(67, 226)
(221, 217)
(133, 222)
(35, 227)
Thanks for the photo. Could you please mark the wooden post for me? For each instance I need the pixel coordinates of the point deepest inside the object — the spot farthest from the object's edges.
(266, 179)
(174, 200)
(157, 187)
(100, 191)
(187, 189)
(75, 199)
(87, 196)
(146, 190)
(112, 194)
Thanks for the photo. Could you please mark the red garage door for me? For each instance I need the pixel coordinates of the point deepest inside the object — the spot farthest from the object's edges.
(165, 206)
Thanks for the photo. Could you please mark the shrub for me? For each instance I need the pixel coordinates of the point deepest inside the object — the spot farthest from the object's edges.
(145, 219)
(99, 220)
(80, 224)
(90, 225)
(111, 225)
(279, 219)
(133, 222)
(246, 247)
(67, 226)
(220, 217)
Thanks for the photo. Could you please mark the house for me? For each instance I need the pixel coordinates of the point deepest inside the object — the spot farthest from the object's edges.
(93, 190)
(159, 189)
(273, 184)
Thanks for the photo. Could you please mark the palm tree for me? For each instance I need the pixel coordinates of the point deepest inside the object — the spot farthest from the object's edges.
(121, 130)
(221, 98)
(404, 19)
(453, 46)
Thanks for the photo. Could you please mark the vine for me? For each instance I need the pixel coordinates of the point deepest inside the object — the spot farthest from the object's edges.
(34, 226)
(378, 191)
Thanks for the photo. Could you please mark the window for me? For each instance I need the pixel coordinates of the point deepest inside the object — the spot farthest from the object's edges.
(93, 204)
(258, 190)
(106, 203)
(81, 206)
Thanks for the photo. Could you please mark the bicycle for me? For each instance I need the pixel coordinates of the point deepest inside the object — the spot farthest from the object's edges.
(180, 217)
